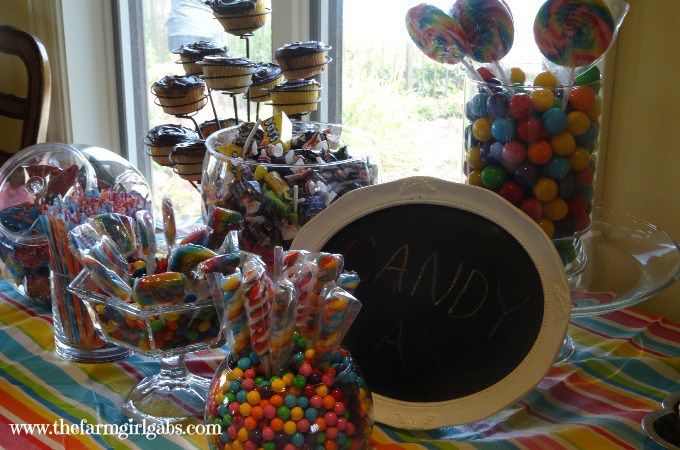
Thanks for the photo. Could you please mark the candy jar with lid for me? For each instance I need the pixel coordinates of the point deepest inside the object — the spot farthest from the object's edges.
(29, 181)
(279, 388)
(290, 172)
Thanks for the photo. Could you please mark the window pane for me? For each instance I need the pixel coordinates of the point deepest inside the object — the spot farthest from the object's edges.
(412, 105)
(167, 25)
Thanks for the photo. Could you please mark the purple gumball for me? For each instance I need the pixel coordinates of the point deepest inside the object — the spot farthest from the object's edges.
(526, 174)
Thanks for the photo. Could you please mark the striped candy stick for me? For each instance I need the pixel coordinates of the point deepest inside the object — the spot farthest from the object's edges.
(337, 310)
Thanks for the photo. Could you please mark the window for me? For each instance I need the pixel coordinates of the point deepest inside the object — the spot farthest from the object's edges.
(379, 82)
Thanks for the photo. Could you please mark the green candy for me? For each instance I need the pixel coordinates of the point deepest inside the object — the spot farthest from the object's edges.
(283, 412)
(589, 76)
(192, 335)
(299, 381)
(493, 176)
(156, 325)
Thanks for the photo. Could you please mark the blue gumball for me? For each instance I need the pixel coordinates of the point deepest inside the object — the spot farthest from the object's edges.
(587, 138)
(554, 120)
(557, 168)
(497, 105)
(526, 174)
(468, 112)
(503, 130)
(478, 106)
(496, 152)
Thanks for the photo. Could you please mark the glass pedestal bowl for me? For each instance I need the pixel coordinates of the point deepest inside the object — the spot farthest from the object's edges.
(167, 332)
(618, 262)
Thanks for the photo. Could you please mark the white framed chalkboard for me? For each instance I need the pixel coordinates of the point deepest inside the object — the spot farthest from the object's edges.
(465, 300)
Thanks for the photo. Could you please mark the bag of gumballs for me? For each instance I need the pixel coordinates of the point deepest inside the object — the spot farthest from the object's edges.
(279, 174)
(288, 383)
(534, 139)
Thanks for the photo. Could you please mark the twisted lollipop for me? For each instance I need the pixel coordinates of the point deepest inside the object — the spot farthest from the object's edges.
(488, 28)
(259, 293)
(230, 289)
(338, 309)
(147, 239)
(327, 268)
(283, 323)
(573, 33)
(438, 35)
(169, 226)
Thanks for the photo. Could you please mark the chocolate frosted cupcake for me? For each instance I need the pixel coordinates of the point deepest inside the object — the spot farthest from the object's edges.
(265, 77)
(179, 94)
(302, 59)
(296, 96)
(210, 126)
(162, 139)
(188, 159)
(239, 17)
(190, 54)
(227, 74)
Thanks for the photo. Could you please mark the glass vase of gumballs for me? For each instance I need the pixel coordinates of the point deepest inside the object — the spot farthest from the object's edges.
(535, 144)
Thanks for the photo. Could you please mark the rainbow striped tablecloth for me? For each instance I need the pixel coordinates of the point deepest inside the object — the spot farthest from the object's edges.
(626, 363)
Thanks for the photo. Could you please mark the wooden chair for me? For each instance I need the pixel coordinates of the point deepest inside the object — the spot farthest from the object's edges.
(34, 109)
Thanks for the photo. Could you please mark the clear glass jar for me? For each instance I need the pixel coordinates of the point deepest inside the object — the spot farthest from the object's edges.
(304, 407)
(272, 219)
(536, 150)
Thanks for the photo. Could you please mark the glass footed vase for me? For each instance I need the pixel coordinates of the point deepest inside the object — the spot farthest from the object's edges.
(166, 332)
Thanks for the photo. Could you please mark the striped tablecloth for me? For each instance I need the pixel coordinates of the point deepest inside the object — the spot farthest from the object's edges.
(626, 363)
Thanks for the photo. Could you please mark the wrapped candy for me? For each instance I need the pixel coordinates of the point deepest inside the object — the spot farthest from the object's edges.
(147, 239)
(166, 287)
(259, 293)
(107, 279)
(283, 323)
(169, 226)
(230, 289)
(337, 310)
(120, 228)
(184, 258)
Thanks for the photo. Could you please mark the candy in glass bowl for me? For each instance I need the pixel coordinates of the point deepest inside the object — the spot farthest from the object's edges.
(288, 173)
(160, 307)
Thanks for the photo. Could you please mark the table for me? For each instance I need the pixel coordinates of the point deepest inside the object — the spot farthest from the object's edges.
(626, 363)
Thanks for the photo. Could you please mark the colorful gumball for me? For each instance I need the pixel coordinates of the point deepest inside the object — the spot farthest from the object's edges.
(585, 177)
(474, 158)
(478, 104)
(530, 130)
(493, 177)
(496, 152)
(563, 143)
(520, 106)
(577, 123)
(539, 152)
(545, 189)
(526, 174)
(481, 129)
(547, 225)
(581, 98)
(514, 152)
(543, 99)
(589, 136)
(517, 76)
(556, 209)
(497, 105)
(546, 80)
(554, 120)
(474, 178)
(579, 159)
(577, 206)
(512, 192)
(557, 168)
(503, 130)
(532, 207)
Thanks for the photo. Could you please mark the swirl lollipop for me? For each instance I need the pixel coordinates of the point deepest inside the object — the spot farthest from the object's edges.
(488, 28)
(573, 33)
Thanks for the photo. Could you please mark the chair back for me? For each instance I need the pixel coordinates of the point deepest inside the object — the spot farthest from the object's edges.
(32, 110)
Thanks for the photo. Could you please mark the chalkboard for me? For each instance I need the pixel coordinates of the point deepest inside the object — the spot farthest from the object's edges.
(465, 300)
(452, 303)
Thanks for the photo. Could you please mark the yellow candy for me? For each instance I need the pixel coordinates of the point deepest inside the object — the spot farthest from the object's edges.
(577, 122)
(278, 129)
(230, 150)
(242, 434)
(172, 316)
(231, 283)
(100, 308)
(546, 80)
(244, 409)
(322, 391)
(481, 129)
(517, 75)
(545, 189)
(288, 378)
(474, 158)
(289, 427)
(563, 143)
(238, 372)
(204, 326)
(595, 110)
(253, 397)
(543, 99)
(547, 225)
(474, 178)
(579, 159)
(555, 209)
(296, 413)
(278, 385)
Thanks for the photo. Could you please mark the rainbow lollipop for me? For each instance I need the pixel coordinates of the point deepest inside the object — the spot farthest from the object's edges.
(169, 226)
(488, 29)
(573, 33)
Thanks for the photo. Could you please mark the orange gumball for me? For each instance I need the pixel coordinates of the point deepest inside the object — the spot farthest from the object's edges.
(539, 152)
(581, 98)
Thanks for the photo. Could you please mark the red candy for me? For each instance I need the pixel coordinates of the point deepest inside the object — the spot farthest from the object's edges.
(539, 152)
(485, 73)
(512, 192)
(520, 106)
(532, 207)
(576, 206)
(530, 130)
(585, 177)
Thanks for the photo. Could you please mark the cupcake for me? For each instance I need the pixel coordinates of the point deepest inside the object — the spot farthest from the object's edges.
(296, 96)
(188, 159)
(190, 54)
(265, 77)
(239, 17)
(162, 139)
(227, 74)
(302, 59)
(210, 126)
(179, 95)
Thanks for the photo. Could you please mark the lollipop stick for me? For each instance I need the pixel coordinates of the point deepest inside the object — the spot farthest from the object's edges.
(472, 73)
(567, 90)
(504, 78)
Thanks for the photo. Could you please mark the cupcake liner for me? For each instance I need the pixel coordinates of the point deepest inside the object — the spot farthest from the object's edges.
(227, 78)
(240, 23)
(260, 92)
(295, 97)
(305, 66)
(191, 172)
(160, 155)
(190, 67)
(191, 101)
(186, 159)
